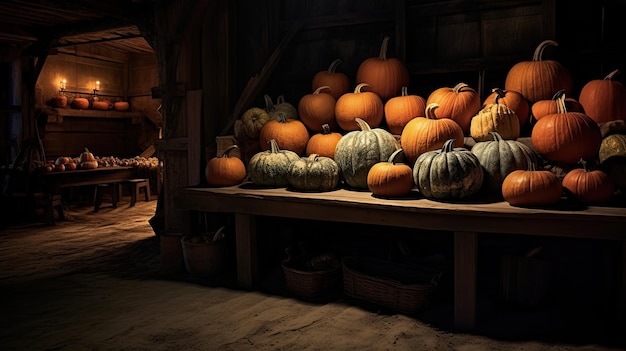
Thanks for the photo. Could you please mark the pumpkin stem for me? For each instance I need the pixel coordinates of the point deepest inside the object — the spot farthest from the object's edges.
(318, 90)
(430, 110)
(383, 49)
(560, 104)
(496, 136)
(583, 163)
(393, 158)
(227, 152)
(362, 125)
(539, 50)
(280, 99)
(405, 91)
(611, 75)
(274, 146)
(558, 94)
(269, 104)
(313, 157)
(333, 66)
(358, 87)
(282, 118)
(325, 128)
(499, 92)
(448, 146)
(457, 88)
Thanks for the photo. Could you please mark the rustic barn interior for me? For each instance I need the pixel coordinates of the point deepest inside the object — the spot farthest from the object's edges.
(165, 85)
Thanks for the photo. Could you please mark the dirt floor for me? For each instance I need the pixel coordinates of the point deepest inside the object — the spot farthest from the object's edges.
(93, 282)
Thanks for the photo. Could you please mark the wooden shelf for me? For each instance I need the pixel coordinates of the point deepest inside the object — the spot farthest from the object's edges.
(60, 113)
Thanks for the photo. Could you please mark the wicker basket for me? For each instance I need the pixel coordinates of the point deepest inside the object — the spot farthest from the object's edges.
(311, 283)
(404, 288)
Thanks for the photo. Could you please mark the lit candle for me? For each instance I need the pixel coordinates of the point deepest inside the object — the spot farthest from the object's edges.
(62, 84)
(97, 85)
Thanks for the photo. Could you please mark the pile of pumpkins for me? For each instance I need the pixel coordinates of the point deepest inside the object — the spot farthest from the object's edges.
(380, 138)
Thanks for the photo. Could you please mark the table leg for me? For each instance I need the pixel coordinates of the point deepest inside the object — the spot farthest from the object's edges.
(465, 244)
(245, 238)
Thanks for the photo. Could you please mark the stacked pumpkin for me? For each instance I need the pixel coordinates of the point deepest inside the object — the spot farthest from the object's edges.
(369, 136)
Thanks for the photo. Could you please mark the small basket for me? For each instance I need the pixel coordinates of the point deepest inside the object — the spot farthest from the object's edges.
(307, 283)
(404, 288)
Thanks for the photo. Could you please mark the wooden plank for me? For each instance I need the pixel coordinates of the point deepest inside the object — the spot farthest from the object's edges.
(465, 246)
(247, 259)
(194, 136)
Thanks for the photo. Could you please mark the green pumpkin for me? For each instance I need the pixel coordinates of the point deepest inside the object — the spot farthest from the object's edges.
(314, 173)
(448, 174)
(500, 157)
(270, 168)
(357, 151)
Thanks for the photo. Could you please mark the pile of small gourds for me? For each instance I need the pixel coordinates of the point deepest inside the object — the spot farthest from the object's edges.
(449, 146)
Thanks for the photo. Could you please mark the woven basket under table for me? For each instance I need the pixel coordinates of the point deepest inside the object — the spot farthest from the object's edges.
(405, 288)
(311, 284)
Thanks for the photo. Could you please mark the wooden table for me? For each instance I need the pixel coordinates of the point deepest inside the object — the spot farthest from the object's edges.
(54, 182)
(465, 220)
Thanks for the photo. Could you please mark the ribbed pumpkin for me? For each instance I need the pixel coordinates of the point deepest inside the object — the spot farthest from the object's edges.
(566, 137)
(401, 109)
(514, 100)
(314, 173)
(270, 168)
(385, 76)
(359, 150)
(532, 187)
(500, 157)
(338, 82)
(276, 110)
(253, 120)
(365, 105)
(543, 108)
(317, 109)
(495, 117)
(539, 79)
(80, 103)
(390, 178)
(287, 108)
(290, 134)
(589, 186)
(323, 143)
(224, 170)
(448, 174)
(428, 133)
(604, 100)
(459, 103)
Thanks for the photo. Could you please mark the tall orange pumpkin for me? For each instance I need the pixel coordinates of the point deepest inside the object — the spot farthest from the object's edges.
(385, 76)
(225, 170)
(539, 79)
(604, 100)
(338, 82)
(401, 109)
(428, 133)
(566, 137)
(365, 105)
(460, 104)
(317, 109)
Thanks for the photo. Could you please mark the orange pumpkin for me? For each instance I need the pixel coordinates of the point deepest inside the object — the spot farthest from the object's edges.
(547, 107)
(390, 178)
(495, 117)
(224, 170)
(385, 76)
(365, 105)
(290, 134)
(604, 100)
(460, 104)
(80, 103)
(532, 187)
(566, 137)
(338, 82)
(102, 105)
(589, 186)
(539, 79)
(400, 110)
(323, 143)
(428, 133)
(317, 109)
(514, 100)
